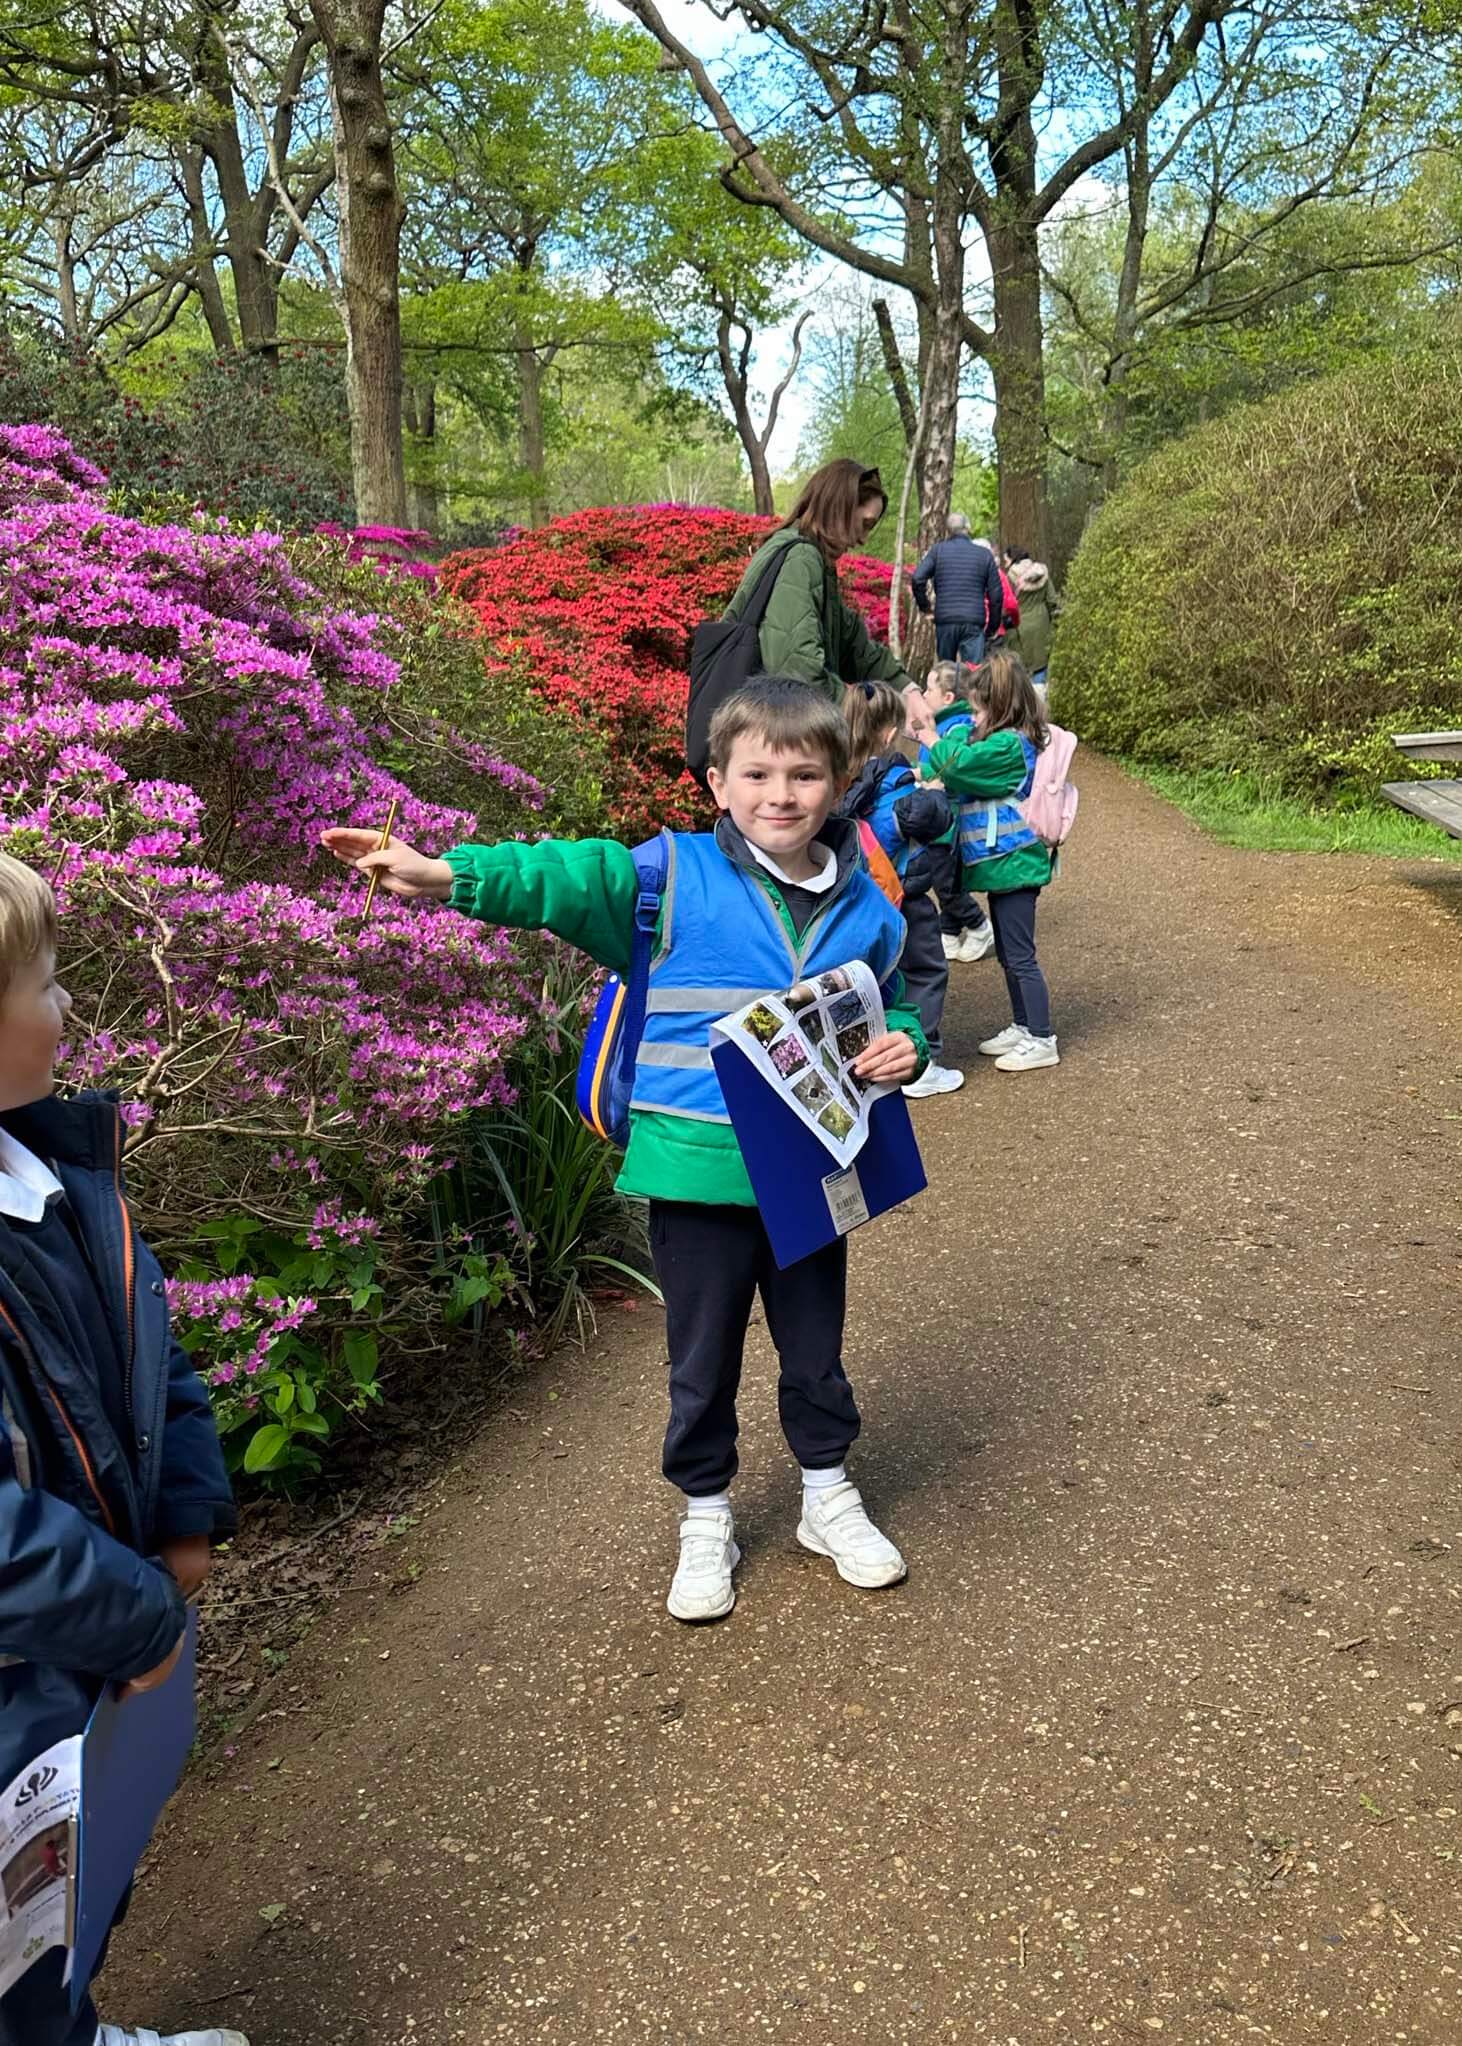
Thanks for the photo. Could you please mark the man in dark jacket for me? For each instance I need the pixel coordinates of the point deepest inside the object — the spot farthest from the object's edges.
(112, 1482)
(969, 601)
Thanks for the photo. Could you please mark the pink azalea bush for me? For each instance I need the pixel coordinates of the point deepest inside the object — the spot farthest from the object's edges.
(181, 712)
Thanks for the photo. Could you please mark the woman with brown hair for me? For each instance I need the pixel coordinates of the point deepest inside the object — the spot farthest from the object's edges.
(809, 633)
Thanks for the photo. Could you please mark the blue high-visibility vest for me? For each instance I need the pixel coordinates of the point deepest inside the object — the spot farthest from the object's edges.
(989, 830)
(722, 944)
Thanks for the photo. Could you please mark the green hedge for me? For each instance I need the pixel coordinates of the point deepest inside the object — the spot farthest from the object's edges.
(1279, 592)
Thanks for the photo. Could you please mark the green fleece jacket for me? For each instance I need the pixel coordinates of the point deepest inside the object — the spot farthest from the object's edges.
(984, 770)
(808, 632)
(584, 891)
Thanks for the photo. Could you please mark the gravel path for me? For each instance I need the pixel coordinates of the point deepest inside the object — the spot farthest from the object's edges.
(1164, 1732)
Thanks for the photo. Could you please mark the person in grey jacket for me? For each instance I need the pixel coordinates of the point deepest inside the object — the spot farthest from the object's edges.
(969, 600)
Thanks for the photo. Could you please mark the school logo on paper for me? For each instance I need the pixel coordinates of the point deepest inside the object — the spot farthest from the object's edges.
(35, 1785)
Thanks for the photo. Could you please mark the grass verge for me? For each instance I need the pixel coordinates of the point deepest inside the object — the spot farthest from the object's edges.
(1247, 811)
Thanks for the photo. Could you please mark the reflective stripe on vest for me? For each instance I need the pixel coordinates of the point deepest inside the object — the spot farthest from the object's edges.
(717, 915)
(988, 831)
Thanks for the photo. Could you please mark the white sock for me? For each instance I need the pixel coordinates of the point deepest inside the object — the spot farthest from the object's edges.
(823, 1481)
(707, 1502)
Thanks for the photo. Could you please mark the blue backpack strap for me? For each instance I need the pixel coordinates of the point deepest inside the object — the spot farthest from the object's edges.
(652, 861)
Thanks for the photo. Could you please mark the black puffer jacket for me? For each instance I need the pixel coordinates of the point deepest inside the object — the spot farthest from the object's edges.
(966, 584)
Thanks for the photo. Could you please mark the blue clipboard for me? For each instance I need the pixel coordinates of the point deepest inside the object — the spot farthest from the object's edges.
(806, 1198)
(132, 1756)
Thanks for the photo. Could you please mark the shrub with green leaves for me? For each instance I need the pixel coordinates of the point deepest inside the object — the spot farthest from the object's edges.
(1279, 592)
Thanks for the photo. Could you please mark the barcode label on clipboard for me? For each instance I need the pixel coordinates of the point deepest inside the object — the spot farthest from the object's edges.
(845, 1199)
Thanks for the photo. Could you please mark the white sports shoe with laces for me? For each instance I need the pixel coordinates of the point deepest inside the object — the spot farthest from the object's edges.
(834, 1523)
(701, 1588)
(120, 2035)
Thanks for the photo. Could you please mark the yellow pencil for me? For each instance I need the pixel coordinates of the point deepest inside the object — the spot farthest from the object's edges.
(375, 871)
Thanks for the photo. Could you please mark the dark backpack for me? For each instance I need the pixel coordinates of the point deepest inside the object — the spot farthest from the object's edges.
(724, 655)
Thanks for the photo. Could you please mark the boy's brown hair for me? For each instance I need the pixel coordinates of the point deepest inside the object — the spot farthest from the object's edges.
(784, 713)
(870, 709)
(827, 505)
(27, 919)
(1004, 690)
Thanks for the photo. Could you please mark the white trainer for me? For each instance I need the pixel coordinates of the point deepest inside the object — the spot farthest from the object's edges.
(834, 1523)
(701, 1588)
(1003, 1041)
(975, 945)
(935, 1079)
(950, 944)
(119, 2035)
(1031, 1053)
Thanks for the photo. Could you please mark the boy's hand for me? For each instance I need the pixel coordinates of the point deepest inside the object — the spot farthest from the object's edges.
(189, 1560)
(404, 871)
(151, 1678)
(890, 1058)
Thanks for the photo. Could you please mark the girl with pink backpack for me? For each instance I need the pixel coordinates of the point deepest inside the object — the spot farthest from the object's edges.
(1009, 775)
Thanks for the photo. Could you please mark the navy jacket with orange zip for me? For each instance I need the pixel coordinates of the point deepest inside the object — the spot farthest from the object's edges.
(85, 1503)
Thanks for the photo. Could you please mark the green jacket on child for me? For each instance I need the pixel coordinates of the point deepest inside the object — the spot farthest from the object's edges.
(584, 891)
(984, 770)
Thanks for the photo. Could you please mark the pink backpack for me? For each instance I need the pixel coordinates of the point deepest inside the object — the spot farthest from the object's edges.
(1050, 808)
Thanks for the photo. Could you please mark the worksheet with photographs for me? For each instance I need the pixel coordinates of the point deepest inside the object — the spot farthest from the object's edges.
(37, 1853)
(805, 1041)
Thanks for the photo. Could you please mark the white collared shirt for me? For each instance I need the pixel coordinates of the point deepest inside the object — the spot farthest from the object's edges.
(823, 858)
(26, 1184)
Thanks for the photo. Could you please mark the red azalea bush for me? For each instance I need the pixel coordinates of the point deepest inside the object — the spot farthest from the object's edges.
(596, 612)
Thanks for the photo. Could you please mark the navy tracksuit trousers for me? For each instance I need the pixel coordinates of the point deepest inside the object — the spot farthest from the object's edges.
(711, 1262)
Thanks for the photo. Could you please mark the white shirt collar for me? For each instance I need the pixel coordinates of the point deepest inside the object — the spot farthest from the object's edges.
(823, 858)
(26, 1184)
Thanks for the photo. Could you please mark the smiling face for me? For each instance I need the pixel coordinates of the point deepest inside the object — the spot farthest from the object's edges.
(33, 1016)
(778, 797)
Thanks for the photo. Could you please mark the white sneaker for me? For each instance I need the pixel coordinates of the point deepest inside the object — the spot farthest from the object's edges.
(835, 1524)
(701, 1588)
(935, 1079)
(951, 945)
(1003, 1041)
(1029, 1054)
(974, 945)
(118, 2035)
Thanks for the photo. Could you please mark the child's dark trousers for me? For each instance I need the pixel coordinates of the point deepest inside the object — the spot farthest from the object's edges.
(958, 909)
(36, 2011)
(711, 1262)
(1014, 916)
(925, 968)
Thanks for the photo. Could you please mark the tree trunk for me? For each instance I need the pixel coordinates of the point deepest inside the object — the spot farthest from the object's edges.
(66, 281)
(371, 213)
(204, 274)
(735, 368)
(532, 455)
(1020, 386)
(419, 409)
(893, 363)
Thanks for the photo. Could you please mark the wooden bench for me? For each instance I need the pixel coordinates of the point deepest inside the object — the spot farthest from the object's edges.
(1436, 802)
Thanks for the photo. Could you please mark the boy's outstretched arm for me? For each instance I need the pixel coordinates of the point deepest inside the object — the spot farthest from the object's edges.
(583, 890)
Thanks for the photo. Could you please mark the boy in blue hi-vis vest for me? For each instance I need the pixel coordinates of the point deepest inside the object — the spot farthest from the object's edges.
(777, 892)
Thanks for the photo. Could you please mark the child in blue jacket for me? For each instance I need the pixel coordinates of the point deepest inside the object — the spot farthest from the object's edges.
(112, 1483)
(908, 821)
